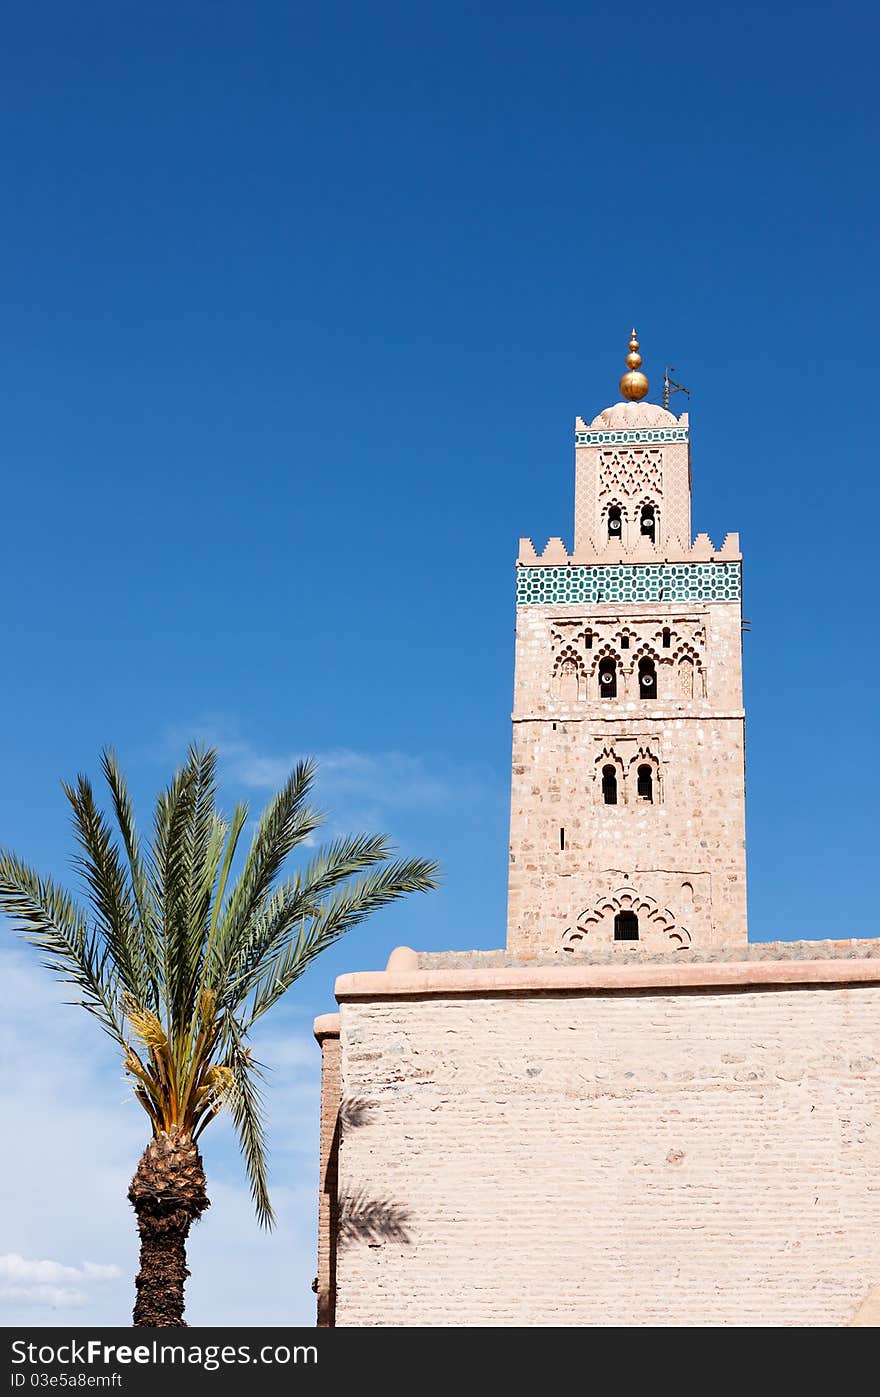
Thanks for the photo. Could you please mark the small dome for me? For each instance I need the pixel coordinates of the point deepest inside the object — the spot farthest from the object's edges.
(633, 415)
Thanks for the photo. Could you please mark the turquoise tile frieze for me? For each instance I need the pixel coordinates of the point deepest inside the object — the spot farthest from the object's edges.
(625, 438)
(619, 582)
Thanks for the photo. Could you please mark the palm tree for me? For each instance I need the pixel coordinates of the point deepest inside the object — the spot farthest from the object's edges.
(178, 958)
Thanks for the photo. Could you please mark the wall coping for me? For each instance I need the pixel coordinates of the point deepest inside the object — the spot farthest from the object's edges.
(628, 708)
(326, 1026)
(571, 979)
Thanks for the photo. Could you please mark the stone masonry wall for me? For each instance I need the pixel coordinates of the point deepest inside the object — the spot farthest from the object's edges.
(683, 854)
(675, 1158)
(327, 1032)
(630, 475)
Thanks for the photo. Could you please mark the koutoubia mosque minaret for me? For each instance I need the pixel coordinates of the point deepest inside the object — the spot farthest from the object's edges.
(627, 800)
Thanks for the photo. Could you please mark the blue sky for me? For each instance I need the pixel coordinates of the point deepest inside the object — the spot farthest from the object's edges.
(298, 307)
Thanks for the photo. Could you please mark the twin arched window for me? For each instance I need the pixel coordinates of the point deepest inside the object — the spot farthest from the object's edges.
(647, 522)
(608, 679)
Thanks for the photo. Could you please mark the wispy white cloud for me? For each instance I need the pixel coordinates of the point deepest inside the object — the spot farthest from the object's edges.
(358, 787)
(52, 1297)
(26, 1281)
(396, 779)
(19, 1269)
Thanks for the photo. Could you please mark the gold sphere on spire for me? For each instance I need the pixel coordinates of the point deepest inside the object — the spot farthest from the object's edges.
(633, 385)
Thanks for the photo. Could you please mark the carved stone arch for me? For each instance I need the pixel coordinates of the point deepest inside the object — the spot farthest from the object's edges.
(590, 639)
(650, 502)
(637, 538)
(675, 639)
(625, 632)
(690, 675)
(569, 679)
(645, 757)
(655, 922)
(645, 754)
(645, 651)
(684, 647)
(616, 502)
(609, 757)
(606, 652)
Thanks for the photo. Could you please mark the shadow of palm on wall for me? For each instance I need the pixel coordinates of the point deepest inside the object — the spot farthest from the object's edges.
(355, 1216)
(370, 1220)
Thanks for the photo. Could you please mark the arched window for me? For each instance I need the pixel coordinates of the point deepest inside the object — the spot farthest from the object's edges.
(615, 522)
(686, 677)
(647, 528)
(626, 927)
(609, 785)
(624, 642)
(666, 638)
(647, 679)
(568, 681)
(645, 783)
(588, 639)
(608, 679)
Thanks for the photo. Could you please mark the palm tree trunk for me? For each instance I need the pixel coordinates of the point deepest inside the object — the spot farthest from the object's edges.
(168, 1195)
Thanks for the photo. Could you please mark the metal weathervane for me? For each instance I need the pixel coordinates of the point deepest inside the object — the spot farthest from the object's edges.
(670, 386)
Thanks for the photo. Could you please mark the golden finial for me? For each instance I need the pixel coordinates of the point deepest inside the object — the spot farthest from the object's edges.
(633, 385)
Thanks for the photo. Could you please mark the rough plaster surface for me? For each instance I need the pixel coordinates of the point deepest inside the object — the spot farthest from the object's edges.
(685, 1158)
(636, 953)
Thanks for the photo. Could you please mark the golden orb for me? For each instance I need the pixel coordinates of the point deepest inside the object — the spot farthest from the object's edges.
(633, 385)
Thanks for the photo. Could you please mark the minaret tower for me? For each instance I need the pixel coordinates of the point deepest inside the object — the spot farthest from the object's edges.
(627, 823)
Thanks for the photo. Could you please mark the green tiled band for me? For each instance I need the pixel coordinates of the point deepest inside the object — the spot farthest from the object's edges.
(636, 582)
(625, 438)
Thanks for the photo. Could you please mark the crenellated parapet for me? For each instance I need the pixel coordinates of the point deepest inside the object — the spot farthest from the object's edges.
(702, 550)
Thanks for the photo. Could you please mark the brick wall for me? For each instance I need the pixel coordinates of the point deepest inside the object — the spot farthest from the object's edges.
(685, 850)
(700, 1156)
(327, 1034)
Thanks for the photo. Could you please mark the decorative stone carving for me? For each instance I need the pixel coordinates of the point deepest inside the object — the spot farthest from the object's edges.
(630, 472)
(656, 921)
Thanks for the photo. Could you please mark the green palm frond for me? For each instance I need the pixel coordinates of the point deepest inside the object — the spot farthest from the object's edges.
(353, 904)
(236, 825)
(170, 881)
(297, 900)
(108, 889)
(202, 845)
(246, 1104)
(285, 823)
(140, 886)
(50, 920)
